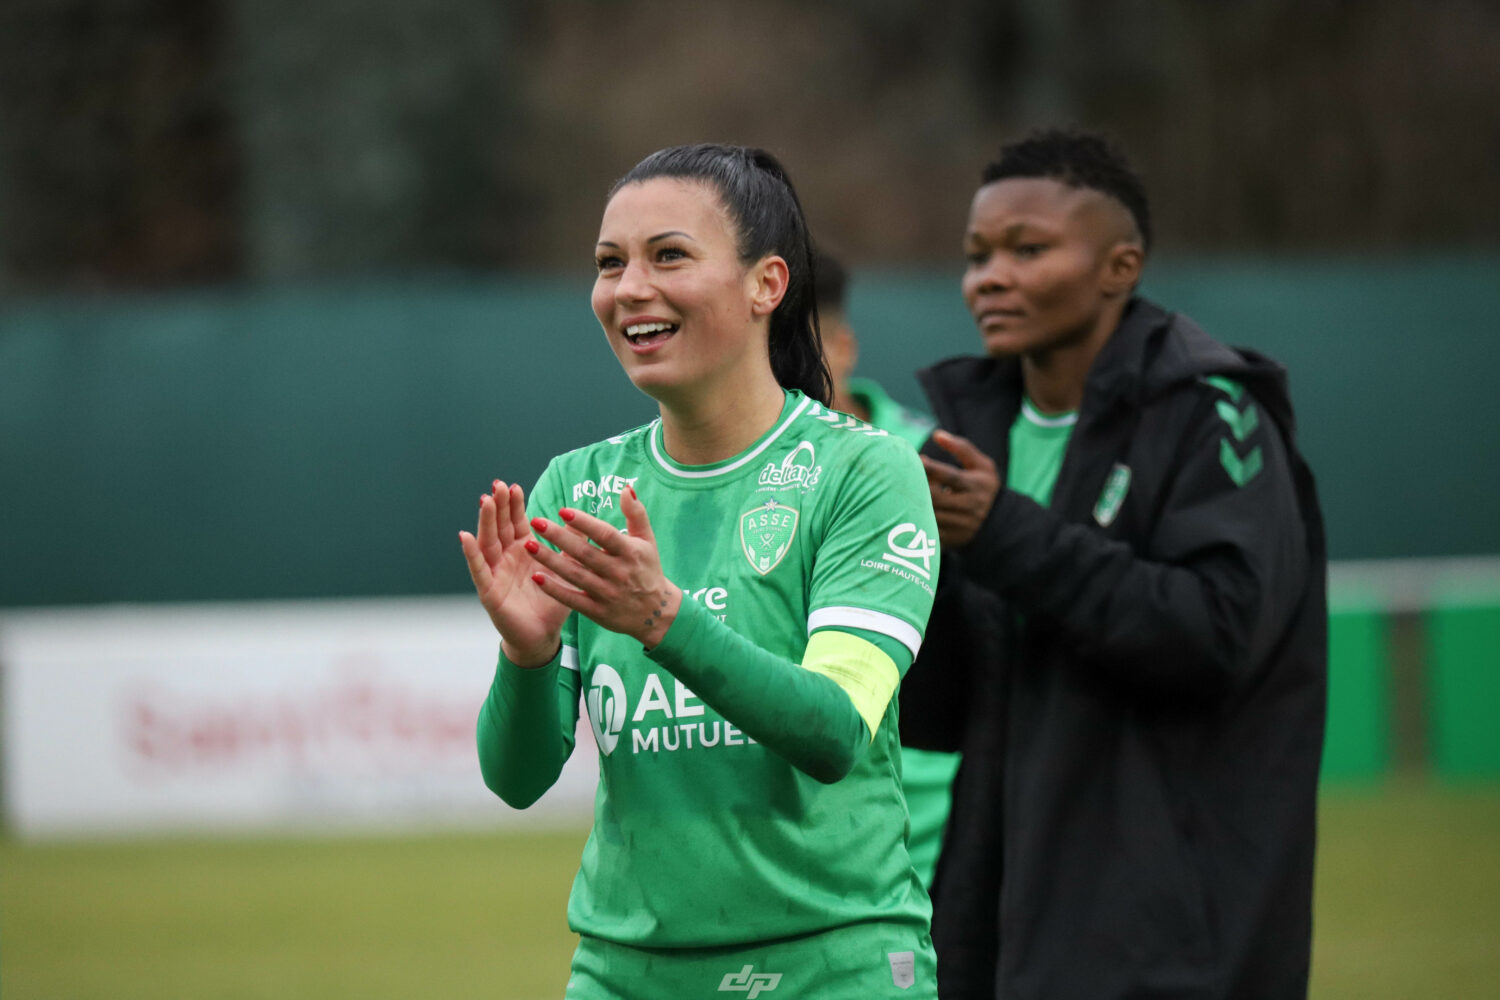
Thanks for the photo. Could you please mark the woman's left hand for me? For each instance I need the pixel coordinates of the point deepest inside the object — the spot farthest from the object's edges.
(614, 578)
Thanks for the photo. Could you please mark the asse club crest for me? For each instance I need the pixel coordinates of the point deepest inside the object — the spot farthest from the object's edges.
(766, 534)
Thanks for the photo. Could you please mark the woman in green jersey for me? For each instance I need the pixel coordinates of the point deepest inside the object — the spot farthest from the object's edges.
(737, 649)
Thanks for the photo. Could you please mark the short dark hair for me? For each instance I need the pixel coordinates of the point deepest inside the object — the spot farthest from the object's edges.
(1080, 160)
(830, 282)
(763, 206)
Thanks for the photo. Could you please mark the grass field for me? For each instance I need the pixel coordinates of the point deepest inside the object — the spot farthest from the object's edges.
(1408, 905)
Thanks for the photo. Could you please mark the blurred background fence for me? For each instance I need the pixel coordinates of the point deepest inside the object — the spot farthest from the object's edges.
(299, 442)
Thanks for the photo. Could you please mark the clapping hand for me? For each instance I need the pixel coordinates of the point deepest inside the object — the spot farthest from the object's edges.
(528, 619)
(610, 576)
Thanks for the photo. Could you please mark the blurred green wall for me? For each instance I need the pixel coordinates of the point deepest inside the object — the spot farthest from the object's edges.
(331, 441)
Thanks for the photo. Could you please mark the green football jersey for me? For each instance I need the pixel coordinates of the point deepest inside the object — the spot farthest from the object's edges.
(1038, 443)
(702, 837)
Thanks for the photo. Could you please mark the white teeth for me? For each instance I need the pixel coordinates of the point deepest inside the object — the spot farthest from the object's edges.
(641, 329)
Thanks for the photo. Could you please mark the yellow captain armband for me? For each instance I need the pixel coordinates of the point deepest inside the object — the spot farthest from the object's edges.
(866, 673)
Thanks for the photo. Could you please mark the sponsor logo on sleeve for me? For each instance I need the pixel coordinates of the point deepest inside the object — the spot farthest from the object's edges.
(766, 534)
(911, 547)
(909, 554)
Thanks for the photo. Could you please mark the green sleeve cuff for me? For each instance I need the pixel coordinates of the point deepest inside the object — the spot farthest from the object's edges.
(522, 676)
(523, 733)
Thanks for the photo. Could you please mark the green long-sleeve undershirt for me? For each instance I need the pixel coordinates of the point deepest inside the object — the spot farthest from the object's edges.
(797, 711)
(523, 742)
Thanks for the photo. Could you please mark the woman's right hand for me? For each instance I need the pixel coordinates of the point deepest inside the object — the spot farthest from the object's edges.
(529, 622)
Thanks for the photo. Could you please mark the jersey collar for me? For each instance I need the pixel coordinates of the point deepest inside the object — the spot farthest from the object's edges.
(1040, 419)
(795, 404)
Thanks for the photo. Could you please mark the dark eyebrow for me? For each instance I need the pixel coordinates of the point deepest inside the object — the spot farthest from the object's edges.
(1015, 229)
(1010, 232)
(654, 239)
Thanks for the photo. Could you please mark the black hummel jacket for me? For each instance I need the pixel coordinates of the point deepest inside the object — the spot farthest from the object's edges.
(1136, 678)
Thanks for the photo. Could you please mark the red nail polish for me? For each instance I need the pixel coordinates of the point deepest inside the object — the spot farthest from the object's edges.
(632, 493)
(566, 514)
(539, 524)
(495, 486)
(532, 546)
(538, 579)
(481, 503)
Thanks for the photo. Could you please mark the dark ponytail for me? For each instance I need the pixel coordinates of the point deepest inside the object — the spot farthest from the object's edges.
(758, 195)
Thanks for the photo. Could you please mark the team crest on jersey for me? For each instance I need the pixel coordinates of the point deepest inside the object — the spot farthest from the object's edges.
(766, 534)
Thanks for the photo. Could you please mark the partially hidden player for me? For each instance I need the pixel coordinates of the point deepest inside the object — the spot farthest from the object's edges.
(1135, 574)
(926, 775)
(738, 647)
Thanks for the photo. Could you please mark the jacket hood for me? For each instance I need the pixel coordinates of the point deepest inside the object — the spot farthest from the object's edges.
(1184, 353)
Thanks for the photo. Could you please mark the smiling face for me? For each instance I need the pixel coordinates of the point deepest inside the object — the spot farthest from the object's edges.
(681, 312)
(1049, 266)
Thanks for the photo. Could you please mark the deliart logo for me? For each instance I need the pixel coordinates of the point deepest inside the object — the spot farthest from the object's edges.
(799, 468)
(767, 533)
(749, 982)
(607, 707)
(921, 547)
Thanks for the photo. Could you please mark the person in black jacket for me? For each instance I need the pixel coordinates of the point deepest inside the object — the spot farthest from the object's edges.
(1134, 575)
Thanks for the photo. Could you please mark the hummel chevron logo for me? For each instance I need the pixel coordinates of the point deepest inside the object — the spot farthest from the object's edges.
(837, 419)
(1228, 386)
(750, 983)
(844, 422)
(1241, 470)
(1239, 423)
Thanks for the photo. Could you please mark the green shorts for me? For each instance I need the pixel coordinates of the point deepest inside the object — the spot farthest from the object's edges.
(860, 962)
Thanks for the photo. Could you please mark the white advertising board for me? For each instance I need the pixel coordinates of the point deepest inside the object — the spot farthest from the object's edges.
(302, 715)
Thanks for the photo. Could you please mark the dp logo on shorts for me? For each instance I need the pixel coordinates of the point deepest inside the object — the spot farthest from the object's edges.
(749, 982)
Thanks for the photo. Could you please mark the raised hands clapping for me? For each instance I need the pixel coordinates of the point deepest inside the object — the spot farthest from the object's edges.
(528, 620)
(611, 577)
